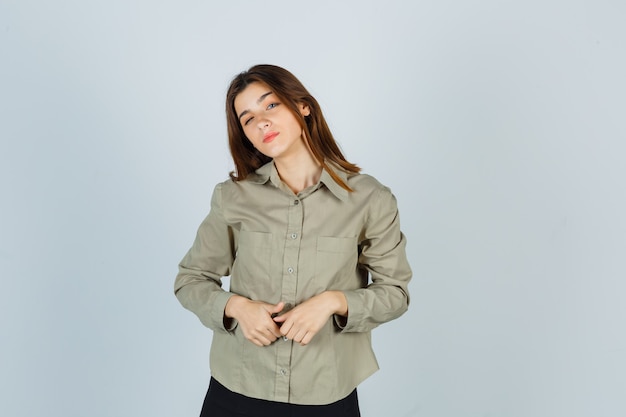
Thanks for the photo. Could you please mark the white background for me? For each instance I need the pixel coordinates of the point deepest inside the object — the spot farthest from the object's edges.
(499, 125)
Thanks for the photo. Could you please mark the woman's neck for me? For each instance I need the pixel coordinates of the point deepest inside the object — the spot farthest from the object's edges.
(299, 172)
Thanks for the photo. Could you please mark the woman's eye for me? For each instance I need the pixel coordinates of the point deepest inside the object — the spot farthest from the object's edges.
(272, 105)
(248, 121)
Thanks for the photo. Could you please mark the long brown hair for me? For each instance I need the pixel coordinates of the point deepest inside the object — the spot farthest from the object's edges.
(291, 93)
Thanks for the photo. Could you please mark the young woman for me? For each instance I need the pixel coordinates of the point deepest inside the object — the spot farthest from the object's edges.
(315, 256)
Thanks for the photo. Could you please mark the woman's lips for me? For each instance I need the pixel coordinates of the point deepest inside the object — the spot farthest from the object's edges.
(269, 137)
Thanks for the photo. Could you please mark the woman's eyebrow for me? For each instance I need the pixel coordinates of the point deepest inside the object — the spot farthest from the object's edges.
(243, 113)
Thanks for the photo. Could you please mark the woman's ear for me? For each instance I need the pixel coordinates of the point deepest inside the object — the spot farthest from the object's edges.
(304, 109)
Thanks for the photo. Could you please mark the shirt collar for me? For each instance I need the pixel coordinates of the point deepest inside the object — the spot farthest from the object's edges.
(268, 172)
(262, 174)
(339, 192)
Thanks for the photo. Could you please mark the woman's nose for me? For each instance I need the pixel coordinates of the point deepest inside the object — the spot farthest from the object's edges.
(264, 123)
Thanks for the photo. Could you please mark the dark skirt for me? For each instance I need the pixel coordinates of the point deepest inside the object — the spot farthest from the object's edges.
(221, 402)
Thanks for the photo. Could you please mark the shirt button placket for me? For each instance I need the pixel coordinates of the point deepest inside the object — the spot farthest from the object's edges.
(289, 285)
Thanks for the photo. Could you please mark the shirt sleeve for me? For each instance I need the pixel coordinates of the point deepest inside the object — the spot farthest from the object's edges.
(198, 285)
(383, 255)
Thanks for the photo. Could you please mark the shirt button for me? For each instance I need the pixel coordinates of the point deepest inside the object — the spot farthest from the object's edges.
(296, 202)
(290, 270)
(285, 338)
(294, 235)
(283, 372)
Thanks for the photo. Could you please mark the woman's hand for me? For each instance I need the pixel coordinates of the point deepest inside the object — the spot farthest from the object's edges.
(255, 319)
(303, 322)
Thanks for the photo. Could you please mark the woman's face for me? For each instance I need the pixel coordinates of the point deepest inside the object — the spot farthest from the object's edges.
(267, 123)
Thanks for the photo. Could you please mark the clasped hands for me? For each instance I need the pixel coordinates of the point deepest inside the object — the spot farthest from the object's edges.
(261, 323)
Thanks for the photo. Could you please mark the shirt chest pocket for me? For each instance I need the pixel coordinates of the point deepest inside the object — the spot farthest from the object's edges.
(253, 260)
(336, 257)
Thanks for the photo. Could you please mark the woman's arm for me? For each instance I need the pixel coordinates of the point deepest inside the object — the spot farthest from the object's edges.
(383, 255)
(198, 285)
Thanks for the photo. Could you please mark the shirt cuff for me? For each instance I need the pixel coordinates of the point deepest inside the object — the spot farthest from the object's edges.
(217, 313)
(356, 313)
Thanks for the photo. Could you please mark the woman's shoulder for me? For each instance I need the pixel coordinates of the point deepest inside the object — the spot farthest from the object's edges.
(355, 180)
(231, 188)
(364, 183)
(367, 191)
(230, 185)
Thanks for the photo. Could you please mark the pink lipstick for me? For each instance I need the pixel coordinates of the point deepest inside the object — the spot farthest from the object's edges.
(269, 136)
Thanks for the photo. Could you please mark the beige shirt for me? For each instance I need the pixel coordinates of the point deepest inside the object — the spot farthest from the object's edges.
(279, 246)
